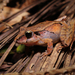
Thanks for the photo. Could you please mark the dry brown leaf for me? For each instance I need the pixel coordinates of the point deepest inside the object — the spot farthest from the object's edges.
(7, 12)
(2, 4)
(27, 3)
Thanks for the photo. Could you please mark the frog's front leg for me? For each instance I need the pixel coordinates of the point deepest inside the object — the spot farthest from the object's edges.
(49, 46)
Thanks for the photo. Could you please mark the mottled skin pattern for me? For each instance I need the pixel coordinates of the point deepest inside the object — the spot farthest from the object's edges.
(48, 33)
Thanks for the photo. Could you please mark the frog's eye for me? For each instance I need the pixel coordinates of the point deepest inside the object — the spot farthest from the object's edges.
(29, 34)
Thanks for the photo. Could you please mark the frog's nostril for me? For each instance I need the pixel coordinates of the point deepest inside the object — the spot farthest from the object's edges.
(18, 41)
(20, 37)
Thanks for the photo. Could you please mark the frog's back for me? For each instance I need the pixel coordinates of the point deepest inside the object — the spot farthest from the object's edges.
(39, 27)
(43, 25)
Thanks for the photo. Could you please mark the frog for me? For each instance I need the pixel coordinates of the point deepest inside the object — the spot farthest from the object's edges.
(47, 33)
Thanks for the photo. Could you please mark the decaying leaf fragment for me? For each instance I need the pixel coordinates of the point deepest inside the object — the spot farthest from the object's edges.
(2, 4)
(7, 12)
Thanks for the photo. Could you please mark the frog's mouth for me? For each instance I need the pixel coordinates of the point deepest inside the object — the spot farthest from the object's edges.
(23, 38)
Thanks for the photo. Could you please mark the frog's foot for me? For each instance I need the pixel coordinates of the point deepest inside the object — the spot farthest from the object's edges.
(46, 53)
(43, 54)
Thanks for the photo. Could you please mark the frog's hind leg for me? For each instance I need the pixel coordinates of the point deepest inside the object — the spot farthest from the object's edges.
(67, 34)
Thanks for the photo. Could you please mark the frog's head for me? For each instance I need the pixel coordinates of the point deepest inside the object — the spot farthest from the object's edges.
(29, 38)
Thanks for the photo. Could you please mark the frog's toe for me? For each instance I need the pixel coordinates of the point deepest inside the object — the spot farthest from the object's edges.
(43, 55)
(58, 47)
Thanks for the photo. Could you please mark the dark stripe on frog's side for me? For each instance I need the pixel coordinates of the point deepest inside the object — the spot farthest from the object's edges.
(52, 35)
(52, 32)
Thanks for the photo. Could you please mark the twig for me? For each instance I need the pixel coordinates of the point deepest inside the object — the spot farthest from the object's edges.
(32, 63)
(8, 50)
(67, 60)
(9, 32)
(23, 10)
(53, 71)
(59, 61)
(7, 39)
(67, 8)
(6, 53)
(23, 64)
(71, 10)
(50, 72)
(73, 59)
(42, 9)
(19, 64)
(45, 11)
(9, 70)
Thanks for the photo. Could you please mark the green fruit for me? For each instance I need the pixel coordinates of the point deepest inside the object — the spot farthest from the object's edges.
(20, 48)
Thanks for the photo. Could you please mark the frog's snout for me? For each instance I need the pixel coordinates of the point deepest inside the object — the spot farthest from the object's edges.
(22, 40)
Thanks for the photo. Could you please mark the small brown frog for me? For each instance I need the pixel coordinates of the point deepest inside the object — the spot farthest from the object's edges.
(46, 34)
